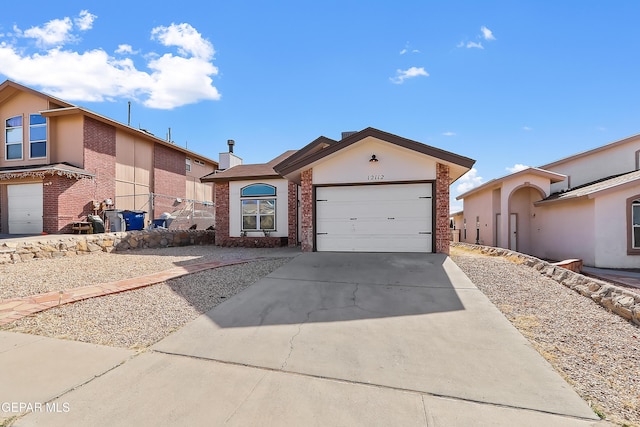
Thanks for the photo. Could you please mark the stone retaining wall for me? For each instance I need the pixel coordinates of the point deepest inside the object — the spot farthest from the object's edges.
(56, 246)
(615, 298)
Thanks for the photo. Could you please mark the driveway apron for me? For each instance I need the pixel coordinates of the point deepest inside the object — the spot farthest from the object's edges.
(338, 339)
(411, 322)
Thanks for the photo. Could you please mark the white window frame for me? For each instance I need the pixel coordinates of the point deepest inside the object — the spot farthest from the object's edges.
(188, 164)
(257, 199)
(6, 138)
(635, 228)
(38, 141)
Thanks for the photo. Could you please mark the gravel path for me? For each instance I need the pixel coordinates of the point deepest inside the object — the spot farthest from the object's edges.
(139, 318)
(45, 275)
(596, 351)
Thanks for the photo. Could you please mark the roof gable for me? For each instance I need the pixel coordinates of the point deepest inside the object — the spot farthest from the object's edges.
(311, 154)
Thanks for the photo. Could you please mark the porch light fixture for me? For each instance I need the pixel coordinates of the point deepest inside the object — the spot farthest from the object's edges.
(373, 158)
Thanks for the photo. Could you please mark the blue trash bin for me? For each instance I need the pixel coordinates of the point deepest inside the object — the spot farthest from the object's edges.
(134, 220)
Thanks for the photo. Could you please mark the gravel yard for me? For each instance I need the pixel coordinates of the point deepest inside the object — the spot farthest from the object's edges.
(596, 351)
(139, 318)
(45, 275)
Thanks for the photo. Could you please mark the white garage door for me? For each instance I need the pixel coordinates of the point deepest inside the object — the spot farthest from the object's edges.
(25, 208)
(374, 218)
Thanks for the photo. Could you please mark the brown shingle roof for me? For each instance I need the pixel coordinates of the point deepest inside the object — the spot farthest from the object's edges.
(254, 171)
(590, 189)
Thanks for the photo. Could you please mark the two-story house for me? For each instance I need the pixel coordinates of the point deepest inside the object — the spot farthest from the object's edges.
(60, 162)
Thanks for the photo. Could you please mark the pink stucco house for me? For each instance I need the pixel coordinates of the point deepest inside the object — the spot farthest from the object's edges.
(585, 206)
(369, 191)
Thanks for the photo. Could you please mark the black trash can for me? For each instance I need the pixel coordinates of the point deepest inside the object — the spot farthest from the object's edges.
(97, 223)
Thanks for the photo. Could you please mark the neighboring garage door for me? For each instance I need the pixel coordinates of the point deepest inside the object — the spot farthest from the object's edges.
(25, 208)
(374, 218)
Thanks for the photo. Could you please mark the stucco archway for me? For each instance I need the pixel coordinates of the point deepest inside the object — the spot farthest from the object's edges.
(522, 218)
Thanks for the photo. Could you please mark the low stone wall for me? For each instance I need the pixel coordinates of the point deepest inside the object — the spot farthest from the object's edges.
(56, 246)
(615, 298)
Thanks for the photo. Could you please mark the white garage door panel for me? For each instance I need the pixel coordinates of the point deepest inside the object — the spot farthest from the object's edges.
(25, 208)
(375, 218)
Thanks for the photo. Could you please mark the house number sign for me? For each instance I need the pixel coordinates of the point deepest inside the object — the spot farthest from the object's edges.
(375, 177)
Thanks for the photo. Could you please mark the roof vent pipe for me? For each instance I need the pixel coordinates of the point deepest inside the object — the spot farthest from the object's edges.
(231, 143)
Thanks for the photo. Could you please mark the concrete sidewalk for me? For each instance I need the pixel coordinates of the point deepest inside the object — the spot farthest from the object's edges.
(330, 339)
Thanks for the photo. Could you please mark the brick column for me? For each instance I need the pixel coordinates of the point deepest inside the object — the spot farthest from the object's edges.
(221, 190)
(306, 239)
(293, 213)
(442, 209)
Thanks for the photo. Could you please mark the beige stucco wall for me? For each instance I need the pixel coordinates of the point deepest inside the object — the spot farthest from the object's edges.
(352, 165)
(597, 165)
(478, 206)
(565, 230)
(66, 143)
(196, 190)
(22, 104)
(282, 207)
(611, 230)
(134, 164)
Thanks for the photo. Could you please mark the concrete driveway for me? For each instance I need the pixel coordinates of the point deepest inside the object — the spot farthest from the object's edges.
(337, 339)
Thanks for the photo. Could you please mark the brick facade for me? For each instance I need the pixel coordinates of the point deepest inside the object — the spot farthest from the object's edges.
(100, 158)
(292, 215)
(442, 209)
(306, 238)
(169, 176)
(221, 190)
(65, 200)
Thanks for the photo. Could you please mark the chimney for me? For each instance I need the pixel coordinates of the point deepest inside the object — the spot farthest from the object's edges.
(229, 160)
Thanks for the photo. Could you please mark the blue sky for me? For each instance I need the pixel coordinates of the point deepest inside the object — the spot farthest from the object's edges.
(507, 83)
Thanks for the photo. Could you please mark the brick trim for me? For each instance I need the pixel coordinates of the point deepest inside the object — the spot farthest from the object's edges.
(442, 209)
(306, 239)
(292, 215)
(221, 190)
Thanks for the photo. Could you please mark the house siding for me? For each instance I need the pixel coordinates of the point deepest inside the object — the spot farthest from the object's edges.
(169, 175)
(306, 239)
(442, 209)
(292, 217)
(65, 200)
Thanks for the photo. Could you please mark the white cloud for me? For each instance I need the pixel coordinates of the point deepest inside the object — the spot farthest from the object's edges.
(474, 45)
(468, 181)
(124, 48)
(516, 168)
(185, 38)
(448, 133)
(54, 33)
(167, 80)
(85, 20)
(486, 33)
(527, 128)
(407, 49)
(402, 75)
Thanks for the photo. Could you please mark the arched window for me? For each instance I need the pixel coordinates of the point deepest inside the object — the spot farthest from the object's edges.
(258, 207)
(258, 190)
